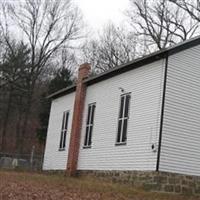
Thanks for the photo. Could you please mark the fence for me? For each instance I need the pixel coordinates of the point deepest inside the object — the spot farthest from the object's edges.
(21, 161)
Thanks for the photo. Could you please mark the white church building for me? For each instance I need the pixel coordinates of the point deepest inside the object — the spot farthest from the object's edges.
(141, 116)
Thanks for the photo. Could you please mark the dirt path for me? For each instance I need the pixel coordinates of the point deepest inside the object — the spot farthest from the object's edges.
(29, 186)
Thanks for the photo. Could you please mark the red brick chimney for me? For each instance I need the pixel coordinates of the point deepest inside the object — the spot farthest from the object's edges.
(74, 145)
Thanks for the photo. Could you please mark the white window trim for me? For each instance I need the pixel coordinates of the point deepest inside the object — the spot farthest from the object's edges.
(85, 146)
(123, 119)
(63, 131)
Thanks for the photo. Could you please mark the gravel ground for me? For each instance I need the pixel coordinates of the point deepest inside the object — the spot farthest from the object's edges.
(30, 186)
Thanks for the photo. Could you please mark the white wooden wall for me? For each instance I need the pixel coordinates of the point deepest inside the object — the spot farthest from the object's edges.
(145, 84)
(180, 150)
(53, 158)
(146, 87)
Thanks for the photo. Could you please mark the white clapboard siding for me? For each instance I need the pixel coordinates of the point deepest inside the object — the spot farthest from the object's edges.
(146, 87)
(180, 150)
(53, 158)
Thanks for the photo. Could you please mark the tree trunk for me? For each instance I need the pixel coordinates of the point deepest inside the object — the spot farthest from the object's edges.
(5, 122)
(18, 128)
(26, 119)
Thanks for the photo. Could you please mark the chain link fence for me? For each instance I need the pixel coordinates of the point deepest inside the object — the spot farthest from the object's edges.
(30, 161)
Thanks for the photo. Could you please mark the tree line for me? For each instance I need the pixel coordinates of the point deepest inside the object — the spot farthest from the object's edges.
(42, 42)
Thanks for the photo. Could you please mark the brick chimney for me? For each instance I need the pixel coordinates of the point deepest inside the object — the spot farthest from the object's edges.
(74, 145)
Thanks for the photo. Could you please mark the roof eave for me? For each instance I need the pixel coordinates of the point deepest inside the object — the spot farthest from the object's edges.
(132, 65)
(62, 92)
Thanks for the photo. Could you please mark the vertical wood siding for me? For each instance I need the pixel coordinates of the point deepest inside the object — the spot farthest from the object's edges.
(180, 149)
(53, 158)
(146, 85)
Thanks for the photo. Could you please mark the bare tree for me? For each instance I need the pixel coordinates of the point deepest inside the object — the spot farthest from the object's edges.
(113, 47)
(45, 26)
(192, 7)
(161, 23)
(66, 58)
(12, 69)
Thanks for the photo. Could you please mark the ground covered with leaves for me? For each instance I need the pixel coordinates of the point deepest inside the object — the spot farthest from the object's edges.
(33, 186)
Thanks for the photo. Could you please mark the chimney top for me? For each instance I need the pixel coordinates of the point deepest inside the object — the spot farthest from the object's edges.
(83, 71)
(85, 66)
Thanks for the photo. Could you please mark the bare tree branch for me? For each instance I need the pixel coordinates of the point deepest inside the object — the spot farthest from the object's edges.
(192, 7)
(113, 47)
(161, 22)
(46, 27)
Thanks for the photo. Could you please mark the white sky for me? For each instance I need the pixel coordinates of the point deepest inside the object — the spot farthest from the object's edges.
(99, 12)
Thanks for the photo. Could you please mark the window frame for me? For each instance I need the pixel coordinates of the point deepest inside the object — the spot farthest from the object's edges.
(89, 126)
(122, 119)
(64, 130)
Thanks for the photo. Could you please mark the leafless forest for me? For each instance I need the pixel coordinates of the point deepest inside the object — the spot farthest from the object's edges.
(42, 42)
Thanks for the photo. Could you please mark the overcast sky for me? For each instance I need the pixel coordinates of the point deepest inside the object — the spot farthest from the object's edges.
(99, 12)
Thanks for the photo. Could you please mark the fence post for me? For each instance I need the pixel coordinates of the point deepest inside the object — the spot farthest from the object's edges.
(32, 156)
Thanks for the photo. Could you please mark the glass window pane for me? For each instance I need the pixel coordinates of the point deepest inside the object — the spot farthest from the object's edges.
(86, 136)
(124, 133)
(92, 117)
(63, 121)
(119, 130)
(61, 139)
(64, 129)
(64, 138)
(121, 107)
(88, 117)
(90, 136)
(89, 124)
(127, 105)
(66, 120)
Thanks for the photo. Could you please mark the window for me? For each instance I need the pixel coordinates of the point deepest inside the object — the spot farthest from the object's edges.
(123, 119)
(64, 130)
(89, 125)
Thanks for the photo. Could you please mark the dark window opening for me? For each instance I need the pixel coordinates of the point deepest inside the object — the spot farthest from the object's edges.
(89, 125)
(64, 130)
(123, 119)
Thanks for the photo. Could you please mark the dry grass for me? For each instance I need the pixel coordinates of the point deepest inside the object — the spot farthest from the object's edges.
(30, 186)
